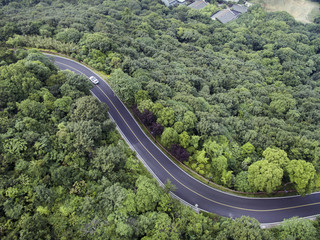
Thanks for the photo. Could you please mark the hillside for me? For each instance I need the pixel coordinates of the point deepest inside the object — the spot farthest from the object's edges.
(237, 103)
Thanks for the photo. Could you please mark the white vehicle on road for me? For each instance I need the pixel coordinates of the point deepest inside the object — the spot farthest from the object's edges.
(94, 80)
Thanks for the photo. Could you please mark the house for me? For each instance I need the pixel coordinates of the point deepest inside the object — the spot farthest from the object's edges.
(199, 4)
(169, 3)
(239, 8)
(181, 2)
(227, 15)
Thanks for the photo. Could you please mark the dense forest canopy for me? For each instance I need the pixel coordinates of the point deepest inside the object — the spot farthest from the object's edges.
(66, 174)
(228, 96)
(237, 103)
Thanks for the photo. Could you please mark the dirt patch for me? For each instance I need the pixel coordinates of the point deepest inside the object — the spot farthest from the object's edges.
(301, 10)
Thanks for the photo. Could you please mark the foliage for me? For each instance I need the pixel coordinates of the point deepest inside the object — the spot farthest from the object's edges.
(242, 228)
(169, 137)
(179, 152)
(264, 176)
(255, 80)
(124, 86)
(297, 228)
(246, 91)
(302, 174)
(65, 174)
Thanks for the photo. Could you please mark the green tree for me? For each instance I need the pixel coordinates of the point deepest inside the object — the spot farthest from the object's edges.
(220, 174)
(276, 155)
(148, 194)
(247, 149)
(189, 121)
(178, 126)
(242, 228)
(297, 228)
(242, 183)
(184, 139)
(33, 109)
(145, 105)
(89, 108)
(74, 86)
(109, 159)
(141, 95)
(97, 41)
(195, 141)
(303, 175)
(81, 135)
(164, 228)
(264, 176)
(124, 86)
(166, 117)
(63, 104)
(169, 137)
(69, 35)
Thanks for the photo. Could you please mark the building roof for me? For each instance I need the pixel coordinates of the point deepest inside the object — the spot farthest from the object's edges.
(198, 4)
(225, 15)
(171, 1)
(240, 8)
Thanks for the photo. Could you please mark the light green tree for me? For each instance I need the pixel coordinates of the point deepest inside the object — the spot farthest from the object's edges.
(156, 109)
(242, 183)
(247, 149)
(189, 120)
(220, 174)
(169, 137)
(303, 175)
(277, 156)
(184, 139)
(166, 117)
(194, 141)
(178, 126)
(264, 176)
(164, 228)
(281, 103)
(297, 228)
(212, 148)
(140, 96)
(145, 105)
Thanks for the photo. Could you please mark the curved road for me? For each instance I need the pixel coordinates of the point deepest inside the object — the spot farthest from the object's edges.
(192, 191)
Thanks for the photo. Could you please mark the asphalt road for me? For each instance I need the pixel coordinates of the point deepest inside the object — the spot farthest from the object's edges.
(192, 191)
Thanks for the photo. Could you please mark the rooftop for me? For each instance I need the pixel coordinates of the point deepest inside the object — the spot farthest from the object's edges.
(240, 8)
(198, 4)
(225, 15)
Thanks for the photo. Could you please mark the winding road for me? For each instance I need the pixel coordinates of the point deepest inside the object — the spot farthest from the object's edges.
(192, 191)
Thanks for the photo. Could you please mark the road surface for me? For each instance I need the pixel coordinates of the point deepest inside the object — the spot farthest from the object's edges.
(192, 191)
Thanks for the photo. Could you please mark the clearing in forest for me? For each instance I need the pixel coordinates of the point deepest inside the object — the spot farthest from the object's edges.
(302, 10)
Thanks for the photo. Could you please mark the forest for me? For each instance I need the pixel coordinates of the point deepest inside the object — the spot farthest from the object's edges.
(237, 103)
